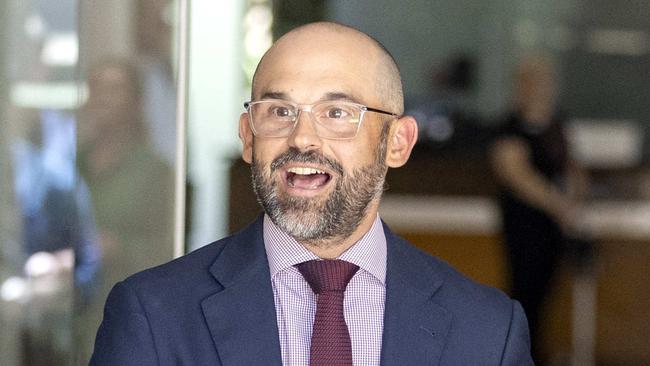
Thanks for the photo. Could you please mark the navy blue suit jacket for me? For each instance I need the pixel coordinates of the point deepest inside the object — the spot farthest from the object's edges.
(215, 307)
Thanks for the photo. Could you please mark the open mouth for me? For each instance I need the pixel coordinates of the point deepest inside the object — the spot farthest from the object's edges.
(307, 178)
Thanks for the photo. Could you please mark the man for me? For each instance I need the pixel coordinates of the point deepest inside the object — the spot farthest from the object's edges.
(48, 238)
(323, 126)
(540, 188)
(115, 158)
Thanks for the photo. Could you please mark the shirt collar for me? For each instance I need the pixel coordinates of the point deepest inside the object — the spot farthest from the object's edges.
(369, 253)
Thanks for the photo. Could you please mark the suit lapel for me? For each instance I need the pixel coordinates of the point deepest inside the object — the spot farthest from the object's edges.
(415, 327)
(241, 316)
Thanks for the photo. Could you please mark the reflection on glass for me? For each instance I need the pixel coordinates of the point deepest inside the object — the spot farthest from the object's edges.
(130, 185)
(49, 250)
(86, 196)
(126, 146)
(57, 241)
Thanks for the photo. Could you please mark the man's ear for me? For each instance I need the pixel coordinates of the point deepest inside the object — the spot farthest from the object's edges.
(404, 134)
(246, 137)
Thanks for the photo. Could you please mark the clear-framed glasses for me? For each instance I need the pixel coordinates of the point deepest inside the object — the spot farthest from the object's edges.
(333, 119)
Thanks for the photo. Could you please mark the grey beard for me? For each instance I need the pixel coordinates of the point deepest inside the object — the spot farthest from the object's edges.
(315, 221)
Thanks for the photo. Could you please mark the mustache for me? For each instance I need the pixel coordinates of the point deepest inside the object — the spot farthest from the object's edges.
(294, 155)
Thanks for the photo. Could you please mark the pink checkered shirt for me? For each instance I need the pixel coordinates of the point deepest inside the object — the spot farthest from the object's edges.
(295, 303)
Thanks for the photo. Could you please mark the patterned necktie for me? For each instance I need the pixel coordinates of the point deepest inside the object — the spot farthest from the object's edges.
(330, 339)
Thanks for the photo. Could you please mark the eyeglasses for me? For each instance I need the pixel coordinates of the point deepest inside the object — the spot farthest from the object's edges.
(334, 119)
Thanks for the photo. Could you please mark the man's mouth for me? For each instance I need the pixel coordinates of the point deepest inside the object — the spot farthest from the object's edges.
(306, 178)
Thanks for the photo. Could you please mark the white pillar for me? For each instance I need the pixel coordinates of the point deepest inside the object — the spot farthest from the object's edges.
(215, 96)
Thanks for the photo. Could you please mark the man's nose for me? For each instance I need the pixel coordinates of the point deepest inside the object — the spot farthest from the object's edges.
(304, 137)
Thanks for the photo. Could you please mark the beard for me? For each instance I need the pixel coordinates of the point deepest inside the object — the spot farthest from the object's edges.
(318, 220)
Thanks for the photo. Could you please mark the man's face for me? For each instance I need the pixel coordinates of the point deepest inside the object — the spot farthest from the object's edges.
(318, 189)
(111, 93)
(111, 105)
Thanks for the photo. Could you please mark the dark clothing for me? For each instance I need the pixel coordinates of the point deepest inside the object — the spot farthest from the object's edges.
(65, 221)
(534, 241)
(215, 307)
(55, 213)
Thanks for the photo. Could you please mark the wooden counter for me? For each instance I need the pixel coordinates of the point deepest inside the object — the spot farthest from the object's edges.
(465, 232)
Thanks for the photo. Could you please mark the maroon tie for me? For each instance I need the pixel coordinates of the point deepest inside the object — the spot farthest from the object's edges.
(330, 340)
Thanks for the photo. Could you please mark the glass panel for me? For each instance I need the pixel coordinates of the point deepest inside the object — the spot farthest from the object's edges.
(87, 152)
(47, 234)
(126, 141)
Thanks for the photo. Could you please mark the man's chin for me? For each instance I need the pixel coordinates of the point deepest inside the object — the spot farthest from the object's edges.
(300, 216)
(300, 224)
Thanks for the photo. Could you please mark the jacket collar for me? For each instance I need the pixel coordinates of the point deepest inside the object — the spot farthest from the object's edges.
(415, 326)
(241, 315)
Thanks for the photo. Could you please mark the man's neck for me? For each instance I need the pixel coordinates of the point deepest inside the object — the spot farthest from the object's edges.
(333, 248)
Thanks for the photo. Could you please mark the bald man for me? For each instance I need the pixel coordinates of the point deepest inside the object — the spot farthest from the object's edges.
(324, 124)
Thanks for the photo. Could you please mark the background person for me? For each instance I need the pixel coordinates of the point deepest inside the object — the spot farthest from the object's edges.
(56, 254)
(130, 185)
(540, 188)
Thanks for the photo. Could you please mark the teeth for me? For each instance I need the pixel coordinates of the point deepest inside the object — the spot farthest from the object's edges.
(305, 171)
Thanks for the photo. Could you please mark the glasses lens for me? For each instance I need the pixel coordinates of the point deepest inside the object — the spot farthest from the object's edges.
(272, 118)
(339, 120)
(334, 119)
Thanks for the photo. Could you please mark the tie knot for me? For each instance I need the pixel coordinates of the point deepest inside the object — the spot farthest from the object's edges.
(327, 275)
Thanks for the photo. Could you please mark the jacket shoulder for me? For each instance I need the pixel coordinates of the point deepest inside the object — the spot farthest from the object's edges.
(457, 292)
(481, 316)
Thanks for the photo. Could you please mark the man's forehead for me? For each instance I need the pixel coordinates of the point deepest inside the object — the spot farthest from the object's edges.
(336, 52)
(304, 88)
(324, 32)
(297, 63)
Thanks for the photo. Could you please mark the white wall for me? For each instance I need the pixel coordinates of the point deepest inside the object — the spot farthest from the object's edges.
(216, 96)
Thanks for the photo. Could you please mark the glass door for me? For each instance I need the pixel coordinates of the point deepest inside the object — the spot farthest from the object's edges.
(87, 160)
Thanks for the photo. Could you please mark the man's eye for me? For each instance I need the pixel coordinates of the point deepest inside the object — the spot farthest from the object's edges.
(337, 113)
(280, 112)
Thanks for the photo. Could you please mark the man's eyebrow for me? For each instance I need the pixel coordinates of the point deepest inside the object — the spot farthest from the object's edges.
(327, 96)
(341, 96)
(274, 95)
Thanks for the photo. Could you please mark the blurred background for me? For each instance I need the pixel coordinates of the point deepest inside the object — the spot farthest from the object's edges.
(531, 174)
